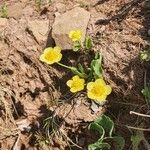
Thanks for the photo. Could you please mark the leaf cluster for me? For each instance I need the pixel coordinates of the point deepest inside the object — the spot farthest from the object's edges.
(87, 45)
(93, 72)
(145, 55)
(105, 127)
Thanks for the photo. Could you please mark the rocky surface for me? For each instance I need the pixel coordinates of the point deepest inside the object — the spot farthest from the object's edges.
(73, 114)
(68, 21)
(3, 25)
(39, 29)
(15, 10)
(29, 88)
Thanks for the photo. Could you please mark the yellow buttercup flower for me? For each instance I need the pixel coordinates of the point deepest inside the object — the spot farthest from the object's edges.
(76, 84)
(98, 90)
(51, 55)
(75, 35)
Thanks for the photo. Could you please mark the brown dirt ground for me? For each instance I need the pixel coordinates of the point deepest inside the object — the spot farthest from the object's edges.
(31, 91)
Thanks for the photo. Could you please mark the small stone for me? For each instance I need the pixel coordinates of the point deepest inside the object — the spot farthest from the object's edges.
(39, 29)
(23, 125)
(68, 21)
(95, 107)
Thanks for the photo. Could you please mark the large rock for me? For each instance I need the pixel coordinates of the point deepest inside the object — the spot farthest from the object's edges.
(76, 18)
(39, 29)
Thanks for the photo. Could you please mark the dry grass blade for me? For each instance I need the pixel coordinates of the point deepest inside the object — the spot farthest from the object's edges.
(139, 114)
(137, 128)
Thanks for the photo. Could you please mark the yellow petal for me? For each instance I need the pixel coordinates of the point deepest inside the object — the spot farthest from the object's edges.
(58, 58)
(102, 98)
(42, 58)
(90, 85)
(82, 81)
(100, 82)
(73, 90)
(70, 34)
(81, 87)
(57, 49)
(76, 77)
(108, 89)
(75, 35)
(49, 62)
(47, 50)
(91, 95)
(69, 83)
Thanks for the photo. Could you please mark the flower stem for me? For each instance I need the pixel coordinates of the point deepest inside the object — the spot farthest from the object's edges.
(68, 67)
(74, 70)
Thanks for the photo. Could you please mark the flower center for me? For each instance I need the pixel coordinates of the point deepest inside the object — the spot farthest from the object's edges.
(75, 84)
(98, 90)
(51, 56)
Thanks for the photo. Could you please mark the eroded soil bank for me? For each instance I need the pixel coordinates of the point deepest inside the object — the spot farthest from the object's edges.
(31, 91)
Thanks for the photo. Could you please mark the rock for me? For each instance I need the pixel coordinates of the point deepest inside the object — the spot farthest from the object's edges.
(23, 125)
(95, 107)
(39, 29)
(61, 8)
(15, 10)
(68, 21)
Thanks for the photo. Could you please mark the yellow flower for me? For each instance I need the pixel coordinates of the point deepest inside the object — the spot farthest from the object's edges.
(51, 55)
(76, 84)
(98, 90)
(75, 35)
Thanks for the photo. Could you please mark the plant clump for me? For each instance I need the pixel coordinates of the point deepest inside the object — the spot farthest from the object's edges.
(90, 77)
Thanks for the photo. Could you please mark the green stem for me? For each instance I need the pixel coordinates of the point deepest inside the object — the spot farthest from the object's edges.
(68, 67)
(74, 70)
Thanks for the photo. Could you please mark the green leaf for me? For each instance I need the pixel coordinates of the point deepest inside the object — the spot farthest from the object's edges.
(81, 69)
(97, 127)
(88, 43)
(99, 146)
(96, 66)
(106, 123)
(118, 140)
(136, 139)
(76, 46)
(77, 72)
(145, 55)
(146, 92)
